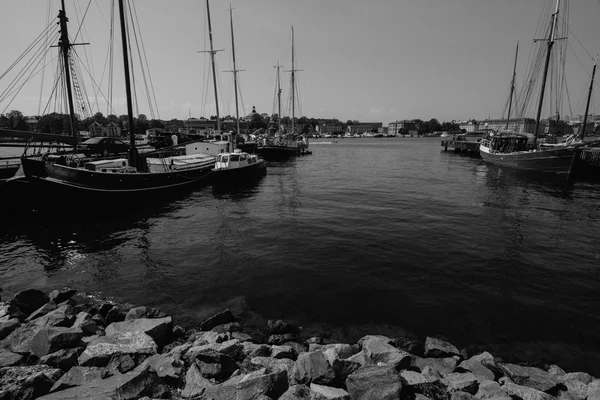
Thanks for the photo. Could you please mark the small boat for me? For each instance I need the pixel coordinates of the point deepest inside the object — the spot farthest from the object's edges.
(238, 165)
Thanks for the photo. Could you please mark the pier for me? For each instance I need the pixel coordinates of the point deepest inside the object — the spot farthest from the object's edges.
(471, 146)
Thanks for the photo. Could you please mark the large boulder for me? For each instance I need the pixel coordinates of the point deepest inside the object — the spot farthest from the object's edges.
(435, 347)
(63, 359)
(196, 385)
(373, 382)
(220, 318)
(215, 365)
(341, 366)
(30, 300)
(43, 310)
(129, 386)
(476, 365)
(60, 295)
(159, 329)
(296, 392)
(282, 351)
(101, 348)
(251, 350)
(378, 350)
(41, 340)
(62, 316)
(144, 312)
(27, 382)
(275, 364)
(8, 359)
(6, 328)
(594, 390)
(532, 377)
(77, 376)
(465, 382)
(165, 365)
(443, 366)
(85, 322)
(262, 382)
(313, 367)
(320, 392)
(524, 392)
(491, 390)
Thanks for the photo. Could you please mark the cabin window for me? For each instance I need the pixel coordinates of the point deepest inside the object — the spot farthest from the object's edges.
(224, 159)
(235, 157)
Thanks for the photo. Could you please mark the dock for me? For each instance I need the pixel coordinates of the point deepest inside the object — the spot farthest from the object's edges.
(470, 146)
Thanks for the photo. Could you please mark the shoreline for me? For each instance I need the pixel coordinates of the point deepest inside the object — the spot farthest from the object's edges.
(67, 344)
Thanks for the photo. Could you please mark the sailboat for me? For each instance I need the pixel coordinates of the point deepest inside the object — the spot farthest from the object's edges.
(238, 164)
(284, 146)
(112, 180)
(511, 149)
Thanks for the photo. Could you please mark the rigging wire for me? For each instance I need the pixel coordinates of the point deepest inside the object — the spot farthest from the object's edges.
(48, 19)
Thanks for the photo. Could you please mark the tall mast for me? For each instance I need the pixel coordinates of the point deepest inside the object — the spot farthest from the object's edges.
(212, 58)
(293, 82)
(65, 47)
(587, 106)
(512, 86)
(548, 52)
(235, 71)
(278, 100)
(132, 149)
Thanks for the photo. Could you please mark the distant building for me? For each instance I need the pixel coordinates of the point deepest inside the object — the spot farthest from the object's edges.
(394, 128)
(364, 127)
(112, 129)
(96, 129)
(32, 124)
(330, 128)
(526, 125)
(469, 126)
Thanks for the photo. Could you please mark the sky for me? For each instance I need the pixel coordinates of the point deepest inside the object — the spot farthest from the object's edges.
(372, 61)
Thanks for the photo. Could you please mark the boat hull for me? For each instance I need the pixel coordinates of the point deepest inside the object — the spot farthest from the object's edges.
(228, 176)
(272, 153)
(557, 161)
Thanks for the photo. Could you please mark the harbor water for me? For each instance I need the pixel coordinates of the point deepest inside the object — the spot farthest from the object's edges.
(389, 236)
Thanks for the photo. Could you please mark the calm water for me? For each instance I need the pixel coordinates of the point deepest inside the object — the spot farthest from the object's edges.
(366, 235)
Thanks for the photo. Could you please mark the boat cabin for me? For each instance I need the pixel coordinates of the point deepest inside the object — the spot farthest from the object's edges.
(237, 159)
(506, 142)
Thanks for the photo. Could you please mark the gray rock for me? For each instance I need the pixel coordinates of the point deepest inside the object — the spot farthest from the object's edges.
(242, 337)
(132, 385)
(283, 364)
(77, 376)
(458, 395)
(411, 378)
(43, 310)
(255, 350)
(214, 365)
(280, 327)
(62, 316)
(299, 348)
(438, 348)
(594, 390)
(342, 350)
(378, 350)
(490, 390)
(431, 375)
(556, 370)
(474, 365)
(262, 382)
(443, 366)
(372, 382)
(195, 383)
(231, 348)
(313, 367)
(466, 382)
(144, 312)
(27, 382)
(577, 376)
(30, 300)
(158, 329)
(221, 318)
(120, 364)
(211, 337)
(532, 377)
(101, 348)
(320, 392)
(296, 392)
(341, 367)
(40, 340)
(85, 322)
(576, 389)
(524, 392)
(228, 328)
(165, 365)
(64, 294)
(180, 350)
(360, 358)
(63, 359)
(8, 359)
(115, 315)
(281, 339)
(283, 352)
(6, 328)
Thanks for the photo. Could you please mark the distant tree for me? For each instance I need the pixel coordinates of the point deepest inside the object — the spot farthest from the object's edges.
(142, 118)
(16, 120)
(404, 131)
(286, 120)
(100, 118)
(156, 123)
(434, 125)
(213, 117)
(349, 122)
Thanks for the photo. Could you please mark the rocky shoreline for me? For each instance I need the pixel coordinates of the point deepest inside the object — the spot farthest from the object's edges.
(71, 345)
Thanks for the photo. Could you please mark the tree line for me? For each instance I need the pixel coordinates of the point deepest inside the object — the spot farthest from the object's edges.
(61, 123)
